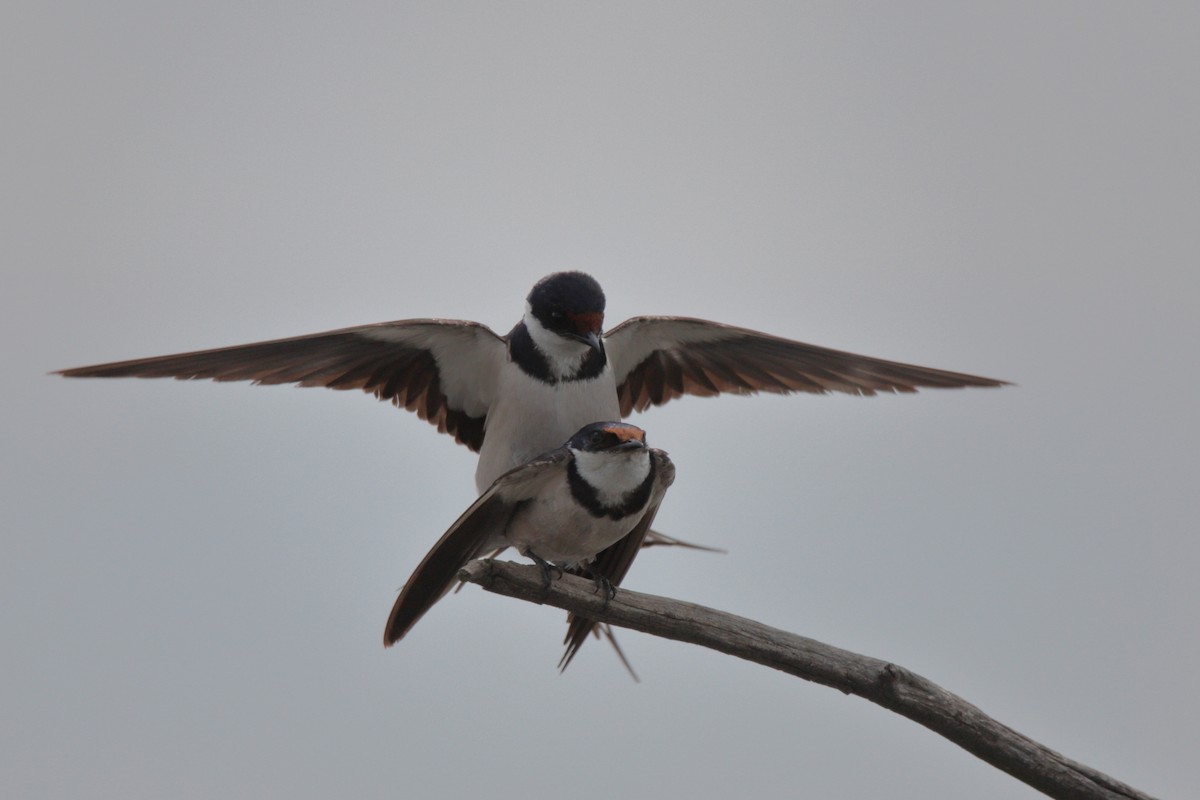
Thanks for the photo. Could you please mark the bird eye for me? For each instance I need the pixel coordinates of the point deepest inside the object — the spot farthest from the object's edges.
(556, 315)
(598, 437)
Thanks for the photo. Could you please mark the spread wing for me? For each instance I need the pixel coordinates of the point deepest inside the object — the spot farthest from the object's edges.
(467, 538)
(656, 359)
(445, 370)
(614, 562)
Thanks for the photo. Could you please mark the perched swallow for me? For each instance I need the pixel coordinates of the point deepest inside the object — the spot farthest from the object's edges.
(511, 398)
(585, 506)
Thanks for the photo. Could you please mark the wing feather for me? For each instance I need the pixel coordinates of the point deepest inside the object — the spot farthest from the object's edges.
(473, 533)
(656, 359)
(444, 370)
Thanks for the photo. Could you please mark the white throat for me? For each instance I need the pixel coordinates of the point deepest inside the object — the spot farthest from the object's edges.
(565, 355)
(613, 474)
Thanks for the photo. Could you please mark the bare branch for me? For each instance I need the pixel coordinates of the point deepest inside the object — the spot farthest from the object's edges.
(881, 682)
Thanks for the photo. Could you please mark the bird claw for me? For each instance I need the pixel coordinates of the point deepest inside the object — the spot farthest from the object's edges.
(603, 584)
(546, 568)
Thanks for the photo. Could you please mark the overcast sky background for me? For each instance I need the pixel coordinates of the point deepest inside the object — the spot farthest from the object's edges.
(195, 577)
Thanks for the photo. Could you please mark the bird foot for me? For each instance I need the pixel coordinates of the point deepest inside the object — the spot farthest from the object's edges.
(546, 568)
(603, 585)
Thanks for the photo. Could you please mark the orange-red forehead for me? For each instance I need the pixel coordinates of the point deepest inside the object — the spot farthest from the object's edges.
(627, 433)
(587, 321)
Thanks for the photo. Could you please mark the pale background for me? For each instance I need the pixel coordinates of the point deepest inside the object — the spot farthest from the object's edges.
(195, 578)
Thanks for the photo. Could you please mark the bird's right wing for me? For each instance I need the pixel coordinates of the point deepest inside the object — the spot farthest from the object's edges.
(445, 370)
(489, 514)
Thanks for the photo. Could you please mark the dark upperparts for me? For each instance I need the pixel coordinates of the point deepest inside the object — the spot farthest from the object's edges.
(565, 292)
(632, 503)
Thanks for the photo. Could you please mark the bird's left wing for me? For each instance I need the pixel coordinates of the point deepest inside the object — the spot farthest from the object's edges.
(614, 562)
(465, 539)
(656, 359)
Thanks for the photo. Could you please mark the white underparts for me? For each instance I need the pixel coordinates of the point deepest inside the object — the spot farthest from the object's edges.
(531, 417)
(564, 355)
(613, 473)
(556, 527)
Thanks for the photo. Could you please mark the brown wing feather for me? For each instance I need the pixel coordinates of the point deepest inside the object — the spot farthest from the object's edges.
(471, 535)
(371, 358)
(613, 564)
(661, 358)
(438, 571)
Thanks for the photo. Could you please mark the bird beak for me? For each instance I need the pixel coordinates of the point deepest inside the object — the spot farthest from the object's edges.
(630, 444)
(588, 327)
(591, 339)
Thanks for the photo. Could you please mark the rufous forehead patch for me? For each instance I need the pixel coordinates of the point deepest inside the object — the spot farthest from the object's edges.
(627, 433)
(587, 321)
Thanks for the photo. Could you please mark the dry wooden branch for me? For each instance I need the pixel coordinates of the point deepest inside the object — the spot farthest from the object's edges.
(881, 682)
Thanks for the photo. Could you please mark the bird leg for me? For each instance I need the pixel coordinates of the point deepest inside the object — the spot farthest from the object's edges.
(603, 584)
(546, 567)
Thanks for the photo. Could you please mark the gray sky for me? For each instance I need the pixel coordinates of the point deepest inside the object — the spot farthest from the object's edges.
(195, 577)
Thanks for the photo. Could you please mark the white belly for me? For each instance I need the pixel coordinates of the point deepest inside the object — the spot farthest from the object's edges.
(559, 530)
(530, 418)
